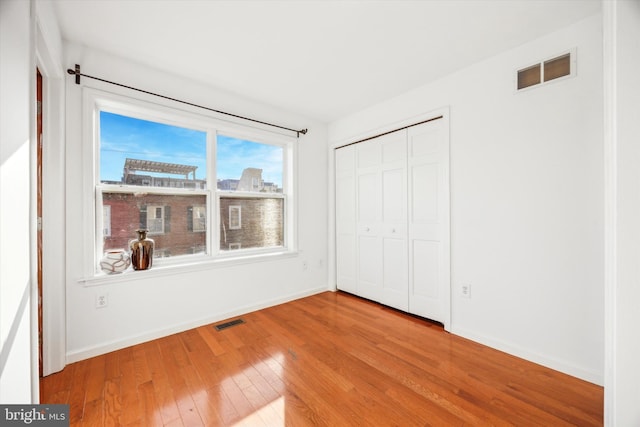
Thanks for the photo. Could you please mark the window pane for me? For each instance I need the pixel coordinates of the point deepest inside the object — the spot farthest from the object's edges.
(173, 234)
(155, 219)
(251, 223)
(199, 215)
(145, 153)
(106, 221)
(248, 166)
(235, 217)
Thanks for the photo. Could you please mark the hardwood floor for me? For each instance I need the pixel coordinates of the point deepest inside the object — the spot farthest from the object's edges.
(328, 360)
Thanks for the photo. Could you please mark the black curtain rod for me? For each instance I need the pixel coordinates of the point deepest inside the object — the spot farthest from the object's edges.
(391, 131)
(76, 72)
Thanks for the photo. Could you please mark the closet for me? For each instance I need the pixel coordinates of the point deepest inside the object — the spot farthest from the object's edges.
(392, 219)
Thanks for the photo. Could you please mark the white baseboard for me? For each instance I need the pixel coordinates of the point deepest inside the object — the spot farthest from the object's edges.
(89, 352)
(546, 361)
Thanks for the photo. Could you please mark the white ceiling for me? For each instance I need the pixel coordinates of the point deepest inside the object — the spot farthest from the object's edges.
(323, 59)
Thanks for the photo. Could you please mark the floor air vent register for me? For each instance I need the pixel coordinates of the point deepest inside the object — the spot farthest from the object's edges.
(230, 323)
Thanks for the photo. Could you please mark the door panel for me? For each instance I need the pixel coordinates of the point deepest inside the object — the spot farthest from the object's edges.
(346, 213)
(369, 197)
(368, 154)
(395, 281)
(425, 272)
(425, 140)
(368, 218)
(394, 209)
(429, 259)
(394, 148)
(346, 261)
(370, 266)
(424, 194)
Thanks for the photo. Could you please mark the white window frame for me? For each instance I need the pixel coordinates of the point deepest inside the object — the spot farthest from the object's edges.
(168, 112)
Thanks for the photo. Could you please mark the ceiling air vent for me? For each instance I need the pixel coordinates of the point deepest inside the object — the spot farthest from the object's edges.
(547, 70)
(557, 67)
(529, 76)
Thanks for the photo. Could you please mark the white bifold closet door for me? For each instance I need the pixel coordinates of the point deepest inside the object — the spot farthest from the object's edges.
(392, 220)
(346, 254)
(381, 219)
(429, 224)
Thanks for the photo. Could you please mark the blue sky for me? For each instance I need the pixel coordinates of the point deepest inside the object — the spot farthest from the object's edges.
(122, 137)
(233, 155)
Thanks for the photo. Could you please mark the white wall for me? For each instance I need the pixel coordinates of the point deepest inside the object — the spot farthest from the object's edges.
(142, 309)
(526, 199)
(16, 72)
(622, 47)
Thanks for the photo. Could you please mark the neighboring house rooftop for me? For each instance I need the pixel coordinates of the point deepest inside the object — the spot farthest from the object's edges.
(133, 165)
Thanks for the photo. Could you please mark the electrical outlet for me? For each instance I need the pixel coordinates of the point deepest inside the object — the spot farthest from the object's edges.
(102, 300)
(305, 265)
(465, 290)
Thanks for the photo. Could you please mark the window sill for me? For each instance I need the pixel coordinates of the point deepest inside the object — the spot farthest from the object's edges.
(200, 264)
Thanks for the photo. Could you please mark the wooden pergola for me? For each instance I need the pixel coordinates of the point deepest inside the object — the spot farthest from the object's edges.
(133, 165)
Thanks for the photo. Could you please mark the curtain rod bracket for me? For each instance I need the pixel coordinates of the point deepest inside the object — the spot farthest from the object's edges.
(76, 72)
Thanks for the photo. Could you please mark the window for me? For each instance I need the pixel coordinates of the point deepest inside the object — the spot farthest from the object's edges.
(136, 153)
(252, 211)
(197, 218)
(235, 217)
(106, 221)
(154, 167)
(153, 218)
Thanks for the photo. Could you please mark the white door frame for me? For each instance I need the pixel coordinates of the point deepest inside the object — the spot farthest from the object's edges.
(53, 200)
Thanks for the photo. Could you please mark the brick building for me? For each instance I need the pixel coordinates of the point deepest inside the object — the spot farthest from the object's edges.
(172, 221)
(251, 223)
(177, 222)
